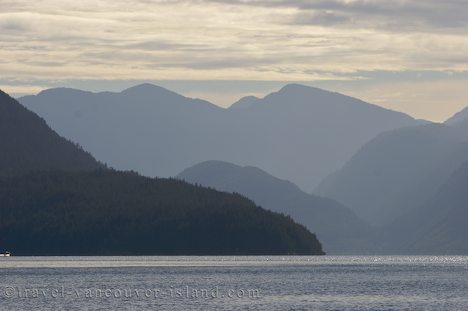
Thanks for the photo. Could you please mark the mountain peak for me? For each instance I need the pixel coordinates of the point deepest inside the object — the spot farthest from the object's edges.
(147, 88)
(148, 92)
(458, 117)
(62, 91)
(296, 87)
(244, 102)
(305, 93)
(3, 94)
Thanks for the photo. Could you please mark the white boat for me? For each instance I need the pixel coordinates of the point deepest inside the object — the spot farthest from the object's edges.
(5, 254)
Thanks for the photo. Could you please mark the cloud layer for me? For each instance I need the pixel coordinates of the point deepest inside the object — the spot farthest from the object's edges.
(282, 40)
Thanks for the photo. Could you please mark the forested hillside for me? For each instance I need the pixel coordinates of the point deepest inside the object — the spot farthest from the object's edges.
(27, 143)
(115, 213)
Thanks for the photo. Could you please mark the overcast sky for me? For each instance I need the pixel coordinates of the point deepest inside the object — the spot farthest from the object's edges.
(410, 56)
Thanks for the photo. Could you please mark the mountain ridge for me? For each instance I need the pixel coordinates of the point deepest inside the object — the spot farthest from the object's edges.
(106, 212)
(55, 199)
(299, 133)
(340, 230)
(28, 143)
(437, 227)
(397, 170)
(458, 117)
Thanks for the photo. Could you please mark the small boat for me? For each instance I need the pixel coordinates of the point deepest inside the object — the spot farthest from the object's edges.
(5, 254)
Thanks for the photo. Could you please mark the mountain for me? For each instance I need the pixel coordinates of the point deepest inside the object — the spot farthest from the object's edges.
(244, 102)
(145, 128)
(438, 227)
(335, 225)
(458, 117)
(55, 199)
(397, 171)
(116, 213)
(299, 133)
(27, 143)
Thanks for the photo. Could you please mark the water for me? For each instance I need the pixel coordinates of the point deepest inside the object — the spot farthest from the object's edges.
(231, 283)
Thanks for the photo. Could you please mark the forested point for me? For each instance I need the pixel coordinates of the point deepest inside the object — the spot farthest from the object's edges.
(105, 212)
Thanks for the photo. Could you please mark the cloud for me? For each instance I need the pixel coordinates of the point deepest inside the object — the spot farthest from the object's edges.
(323, 18)
(279, 40)
(206, 35)
(398, 15)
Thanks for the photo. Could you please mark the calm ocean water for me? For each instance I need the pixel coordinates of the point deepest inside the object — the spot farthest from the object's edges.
(231, 283)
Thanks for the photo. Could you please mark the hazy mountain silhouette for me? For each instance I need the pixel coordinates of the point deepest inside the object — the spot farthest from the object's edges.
(27, 143)
(460, 124)
(299, 133)
(302, 133)
(458, 117)
(244, 102)
(335, 225)
(145, 128)
(438, 227)
(397, 171)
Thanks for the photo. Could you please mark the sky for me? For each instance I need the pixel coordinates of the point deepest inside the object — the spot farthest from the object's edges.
(410, 56)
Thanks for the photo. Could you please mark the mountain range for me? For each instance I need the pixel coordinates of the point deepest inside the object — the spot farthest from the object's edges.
(438, 227)
(398, 170)
(299, 133)
(383, 182)
(410, 183)
(339, 229)
(55, 199)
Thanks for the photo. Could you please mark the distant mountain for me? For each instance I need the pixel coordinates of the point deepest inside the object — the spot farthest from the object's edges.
(145, 128)
(397, 171)
(55, 199)
(436, 228)
(116, 213)
(460, 122)
(335, 225)
(27, 143)
(299, 133)
(462, 126)
(244, 103)
(458, 117)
